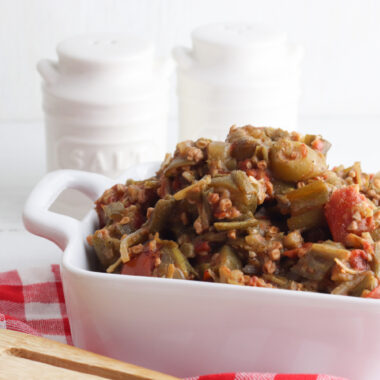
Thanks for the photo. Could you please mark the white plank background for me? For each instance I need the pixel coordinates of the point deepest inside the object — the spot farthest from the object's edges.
(341, 38)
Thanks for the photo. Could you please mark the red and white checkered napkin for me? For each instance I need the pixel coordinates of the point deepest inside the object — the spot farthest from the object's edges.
(32, 301)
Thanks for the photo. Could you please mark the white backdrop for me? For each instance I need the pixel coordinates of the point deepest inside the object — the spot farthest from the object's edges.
(341, 38)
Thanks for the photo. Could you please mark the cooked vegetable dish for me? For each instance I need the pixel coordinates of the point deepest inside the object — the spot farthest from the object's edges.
(260, 209)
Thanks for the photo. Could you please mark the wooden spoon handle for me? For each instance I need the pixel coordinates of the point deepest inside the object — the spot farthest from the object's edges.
(39, 358)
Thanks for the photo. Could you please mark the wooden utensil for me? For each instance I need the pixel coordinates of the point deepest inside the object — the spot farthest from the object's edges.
(24, 356)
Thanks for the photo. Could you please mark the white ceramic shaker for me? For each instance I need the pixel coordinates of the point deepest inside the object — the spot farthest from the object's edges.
(105, 103)
(237, 74)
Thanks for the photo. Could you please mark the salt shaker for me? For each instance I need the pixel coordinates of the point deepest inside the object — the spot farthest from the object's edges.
(105, 103)
(236, 74)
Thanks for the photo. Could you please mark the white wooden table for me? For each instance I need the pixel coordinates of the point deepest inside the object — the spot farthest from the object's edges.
(22, 164)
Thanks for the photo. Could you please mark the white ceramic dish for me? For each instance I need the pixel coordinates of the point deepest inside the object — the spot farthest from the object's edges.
(188, 328)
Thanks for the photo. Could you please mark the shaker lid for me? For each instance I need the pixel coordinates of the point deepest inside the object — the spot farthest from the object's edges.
(102, 52)
(239, 35)
(233, 42)
(105, 69)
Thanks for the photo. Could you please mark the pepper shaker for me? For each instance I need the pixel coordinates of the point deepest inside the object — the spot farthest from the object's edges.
(236, 74)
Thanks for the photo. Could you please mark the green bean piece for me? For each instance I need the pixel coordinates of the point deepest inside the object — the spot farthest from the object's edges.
(307, 220)
(243, 193)
(218, 152)
(241, 243)
(224, 182)
(236, 225)
(256, 242)
(376, 260)
(262, 153)
(360, 282)
(204, 212)
(176, 163)
(275, 133)
(312, 267)
(168, 243)
(161, 214)
(308, 139)
(229, 259)
(151, 183)
(369, 282)
(375, 234)
(329, 251)
(122, 229)
(246, 187)
(114, 268)
(137, 237)
(114, 211)
(313, 195)
(318, 261)
(195, 187)
(120, 220)
(178, 259)
(244, 148)
(242, 181)
(187, 250)
(282, 282)
(281, 187)
(294, 161)
(231, 164)
(279, 281)
(106, 247)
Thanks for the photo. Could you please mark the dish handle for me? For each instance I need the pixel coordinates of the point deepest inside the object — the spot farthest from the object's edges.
(37, 217)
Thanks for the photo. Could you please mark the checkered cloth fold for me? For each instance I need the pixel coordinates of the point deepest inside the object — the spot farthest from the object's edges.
(32, 301)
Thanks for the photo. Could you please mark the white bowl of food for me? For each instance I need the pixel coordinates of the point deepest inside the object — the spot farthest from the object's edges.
(225, 259)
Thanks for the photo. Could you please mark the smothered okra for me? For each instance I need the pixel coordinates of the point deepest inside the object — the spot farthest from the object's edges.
(260, 209)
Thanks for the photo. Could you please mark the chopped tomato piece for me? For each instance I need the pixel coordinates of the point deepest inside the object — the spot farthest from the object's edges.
(340, 211)
(245, 165)
(202, 246)
(318, 144)
(207, 276)
(359, 259)
(141, 265)
(298, 252)
(292, 253)
(375, 293)
(368, 247)
(252, 173)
